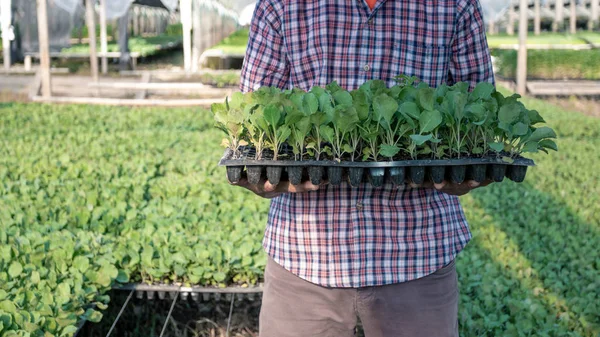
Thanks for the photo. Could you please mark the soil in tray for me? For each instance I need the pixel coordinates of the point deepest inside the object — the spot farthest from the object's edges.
(316, 174)
(377, 176)
(372, 173)
(437, 174)
(477, 172)
(517, 173)
(396, 175)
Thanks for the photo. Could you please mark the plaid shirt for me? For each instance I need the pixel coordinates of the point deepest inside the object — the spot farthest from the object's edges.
(341, 236)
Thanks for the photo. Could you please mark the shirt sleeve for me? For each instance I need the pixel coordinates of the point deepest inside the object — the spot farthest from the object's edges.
(470, 60)
(266, 61)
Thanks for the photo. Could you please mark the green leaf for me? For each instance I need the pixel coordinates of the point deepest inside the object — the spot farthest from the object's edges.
(283, 133)
(455, 103)
(347, 148)
(498, 147)
(93, 315)
(429, 120)
(82, 263)
(531, 147)
(520, 129)
(343, 98)
(310, 104)
(509, 113)
(272, 115)
(542, 133)
(122, 276)
(236, 100)
(425, 97)
(8, 307)
(483, 91)
(219, 276)
(534, 117)
(15, 269)
(345, 119)
(384, 108)
(69, 330)
(508, 160)
(548, 144)
(388, 150)
(327, 133)
(410, 109)
(476, 113)
(420, 139)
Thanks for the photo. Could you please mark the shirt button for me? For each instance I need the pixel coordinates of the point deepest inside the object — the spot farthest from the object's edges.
(370, 21)
(359, 206)
(367, 67)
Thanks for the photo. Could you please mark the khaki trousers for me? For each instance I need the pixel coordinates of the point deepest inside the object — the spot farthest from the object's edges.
(293, 307)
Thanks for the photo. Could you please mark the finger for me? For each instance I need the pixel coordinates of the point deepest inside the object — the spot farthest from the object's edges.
(441, 185)
(486, 183)
(473, 184)
(241, 182)
(414, 185)
(311, 187)
(268, 187)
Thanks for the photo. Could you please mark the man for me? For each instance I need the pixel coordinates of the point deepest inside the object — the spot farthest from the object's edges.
(384, 254)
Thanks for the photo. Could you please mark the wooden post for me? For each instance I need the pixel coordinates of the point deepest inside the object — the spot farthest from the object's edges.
(560, 16)
(103, 37)
(136, 21)
(573, 17)
(491, 27)
(185, 9)
(537, 19)
(91, 24)
(522, 57)
(6, 19)
(593, 23)
(42, 19)
(510, 28)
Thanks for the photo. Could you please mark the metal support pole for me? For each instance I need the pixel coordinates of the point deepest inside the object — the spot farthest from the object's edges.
(593, 23)
(42, 16)
(7, 33)
(522, 57)
(560, 16)
(573, 17)
(185, 8)
(491, 27)
(510, 28)
(537, 19)
(125, 58)
(103, 37)
(198, 32)
(91, 24)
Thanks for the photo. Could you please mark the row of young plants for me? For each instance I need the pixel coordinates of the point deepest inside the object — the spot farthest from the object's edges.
(94, 196)
(376, 123)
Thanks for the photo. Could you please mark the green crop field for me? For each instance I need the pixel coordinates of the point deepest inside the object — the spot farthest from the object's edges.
(551, 64)
(90, 196)
(145, 46)
(235, 44)
(497, 40)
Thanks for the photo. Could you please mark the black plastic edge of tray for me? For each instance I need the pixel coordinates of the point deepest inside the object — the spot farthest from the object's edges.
(227, 161)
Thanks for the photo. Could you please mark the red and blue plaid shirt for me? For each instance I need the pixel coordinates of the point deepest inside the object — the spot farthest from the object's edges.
(341, 236)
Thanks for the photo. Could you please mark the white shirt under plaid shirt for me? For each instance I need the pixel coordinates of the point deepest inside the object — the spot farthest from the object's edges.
(342, 236)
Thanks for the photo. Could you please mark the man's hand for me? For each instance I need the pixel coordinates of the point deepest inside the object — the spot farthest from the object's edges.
(266, 190)
(453, 188)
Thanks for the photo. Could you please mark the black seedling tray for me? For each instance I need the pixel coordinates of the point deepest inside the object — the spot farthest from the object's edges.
(376, 173)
